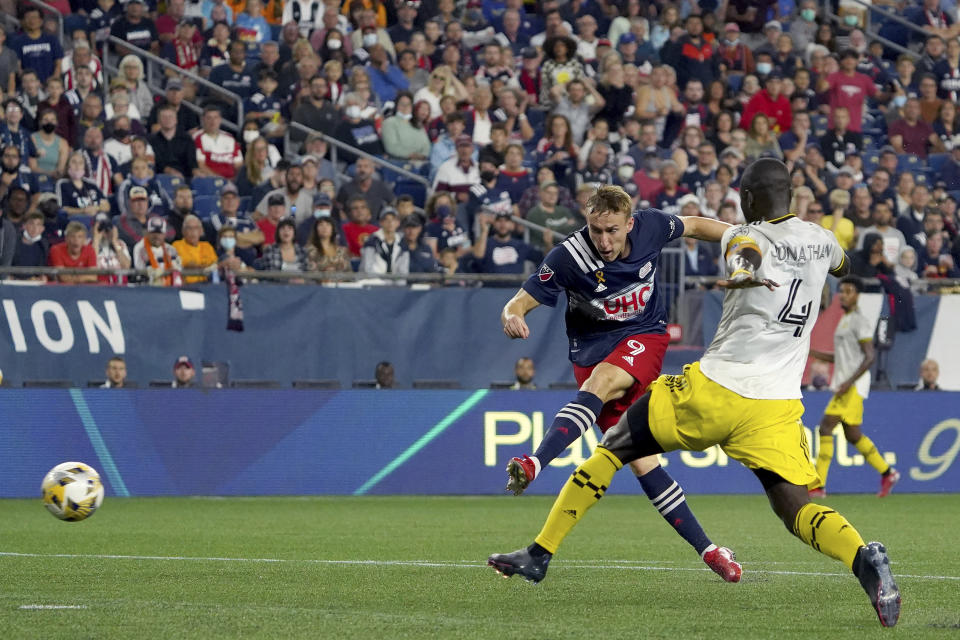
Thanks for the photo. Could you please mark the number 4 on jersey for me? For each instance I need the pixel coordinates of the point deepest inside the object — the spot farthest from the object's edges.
(787, 315)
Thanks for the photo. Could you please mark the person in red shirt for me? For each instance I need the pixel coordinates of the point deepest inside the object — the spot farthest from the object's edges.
(771, 102)
(218, 153)
(848, 88)
(911, 134)
(359, 228)
(74, 252)
(276, 211)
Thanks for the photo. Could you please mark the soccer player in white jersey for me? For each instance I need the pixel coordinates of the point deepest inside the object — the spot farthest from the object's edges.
(852, 357)
(744, 395)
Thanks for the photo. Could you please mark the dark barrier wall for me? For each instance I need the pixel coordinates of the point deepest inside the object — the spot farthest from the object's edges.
(262, 442)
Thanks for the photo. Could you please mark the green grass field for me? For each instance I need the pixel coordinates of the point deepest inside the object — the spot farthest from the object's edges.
(414, 567)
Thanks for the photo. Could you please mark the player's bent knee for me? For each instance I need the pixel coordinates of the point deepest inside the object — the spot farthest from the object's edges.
(643, 466)
(618, 441)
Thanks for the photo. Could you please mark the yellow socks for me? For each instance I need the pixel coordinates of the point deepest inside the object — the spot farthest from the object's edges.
(828, 532)
(824, 457)
(583, 490)
(869, 451)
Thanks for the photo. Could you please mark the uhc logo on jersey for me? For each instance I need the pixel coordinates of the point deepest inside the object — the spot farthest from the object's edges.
(626, 304)
(545, 273)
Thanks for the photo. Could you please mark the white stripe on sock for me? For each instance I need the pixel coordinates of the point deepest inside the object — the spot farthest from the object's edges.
(673, 506)
(588, 415)
(665, 493)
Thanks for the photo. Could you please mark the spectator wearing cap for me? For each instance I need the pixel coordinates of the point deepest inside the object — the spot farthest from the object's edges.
(501, 252)
(265, 107)
(404, 138)
(195, 253)
(284, 254)
(322, 208)
(74, 252)
(384, 250)
(13, 133)
(248, 236)
(911, 134)
(839, 142)
(489, 194)
(183, 374)
(848, 88)
(421, 256)
(276, 211)
(460, 172)
(153, 253)
(735, 56)
(218, 153)
(771, 102)
(402, 31)
(530, 77)
(551, 215)
(132, 222)
(141, 176)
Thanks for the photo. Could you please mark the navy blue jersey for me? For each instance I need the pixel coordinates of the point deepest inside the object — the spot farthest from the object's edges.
(607, 301)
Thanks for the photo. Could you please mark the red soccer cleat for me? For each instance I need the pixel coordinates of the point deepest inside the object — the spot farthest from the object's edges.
(522, 471)
(887, 483)
(723, 562)
(819, 492)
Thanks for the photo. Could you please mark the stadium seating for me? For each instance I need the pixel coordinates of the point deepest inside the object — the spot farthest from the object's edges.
(207, 185)
(415, 190)
(936, 161)
(45, 184)
(206, 206)
(168, 183)
(316, 384)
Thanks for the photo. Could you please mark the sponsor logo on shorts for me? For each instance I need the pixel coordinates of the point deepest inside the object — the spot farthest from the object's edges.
(545, 273)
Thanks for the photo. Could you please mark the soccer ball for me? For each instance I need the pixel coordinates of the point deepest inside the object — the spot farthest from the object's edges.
(72, 491)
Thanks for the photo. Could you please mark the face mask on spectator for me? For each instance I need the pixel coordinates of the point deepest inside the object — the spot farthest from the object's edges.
(369, 39)
(48, 127)
(851, 20)
(75, 174)
(405, 116)
(334, 44)
(120, 134)
(250, 135)
(488, 176)
(899, 101)
(228, 243)
(763, 68)
(321, 213)
(7, 169)
(625, 172)
(31, 239)
(809, 15)
(139, 181)
(443, 211)
(353, 112)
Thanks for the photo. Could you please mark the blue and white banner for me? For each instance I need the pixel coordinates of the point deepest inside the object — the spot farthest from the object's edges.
(283, 442)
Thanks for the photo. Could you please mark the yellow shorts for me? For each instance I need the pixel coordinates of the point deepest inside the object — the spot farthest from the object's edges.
(692, 412)
(849, 407)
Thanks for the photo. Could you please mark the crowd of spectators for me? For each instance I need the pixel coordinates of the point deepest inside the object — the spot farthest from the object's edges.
(507, 109)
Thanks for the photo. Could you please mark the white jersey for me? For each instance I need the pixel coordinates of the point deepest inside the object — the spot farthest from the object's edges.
(852, 329)
(761, 346)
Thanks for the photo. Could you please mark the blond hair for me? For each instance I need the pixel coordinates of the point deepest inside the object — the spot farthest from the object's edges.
(610, 199)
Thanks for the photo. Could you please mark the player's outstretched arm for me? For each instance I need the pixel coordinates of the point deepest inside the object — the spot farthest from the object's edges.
(703, 228)
(514, 312)
(743, 258)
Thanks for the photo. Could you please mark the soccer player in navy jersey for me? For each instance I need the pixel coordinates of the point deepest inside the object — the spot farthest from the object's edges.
(616, 324)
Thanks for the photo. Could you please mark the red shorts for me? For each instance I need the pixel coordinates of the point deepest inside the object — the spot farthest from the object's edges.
(642, 357)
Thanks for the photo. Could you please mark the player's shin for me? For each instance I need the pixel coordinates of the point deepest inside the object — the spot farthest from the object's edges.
(569, 424)
(824, 456)
(583, 490)
(828, 532)
(668, 497)
(870, 453)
